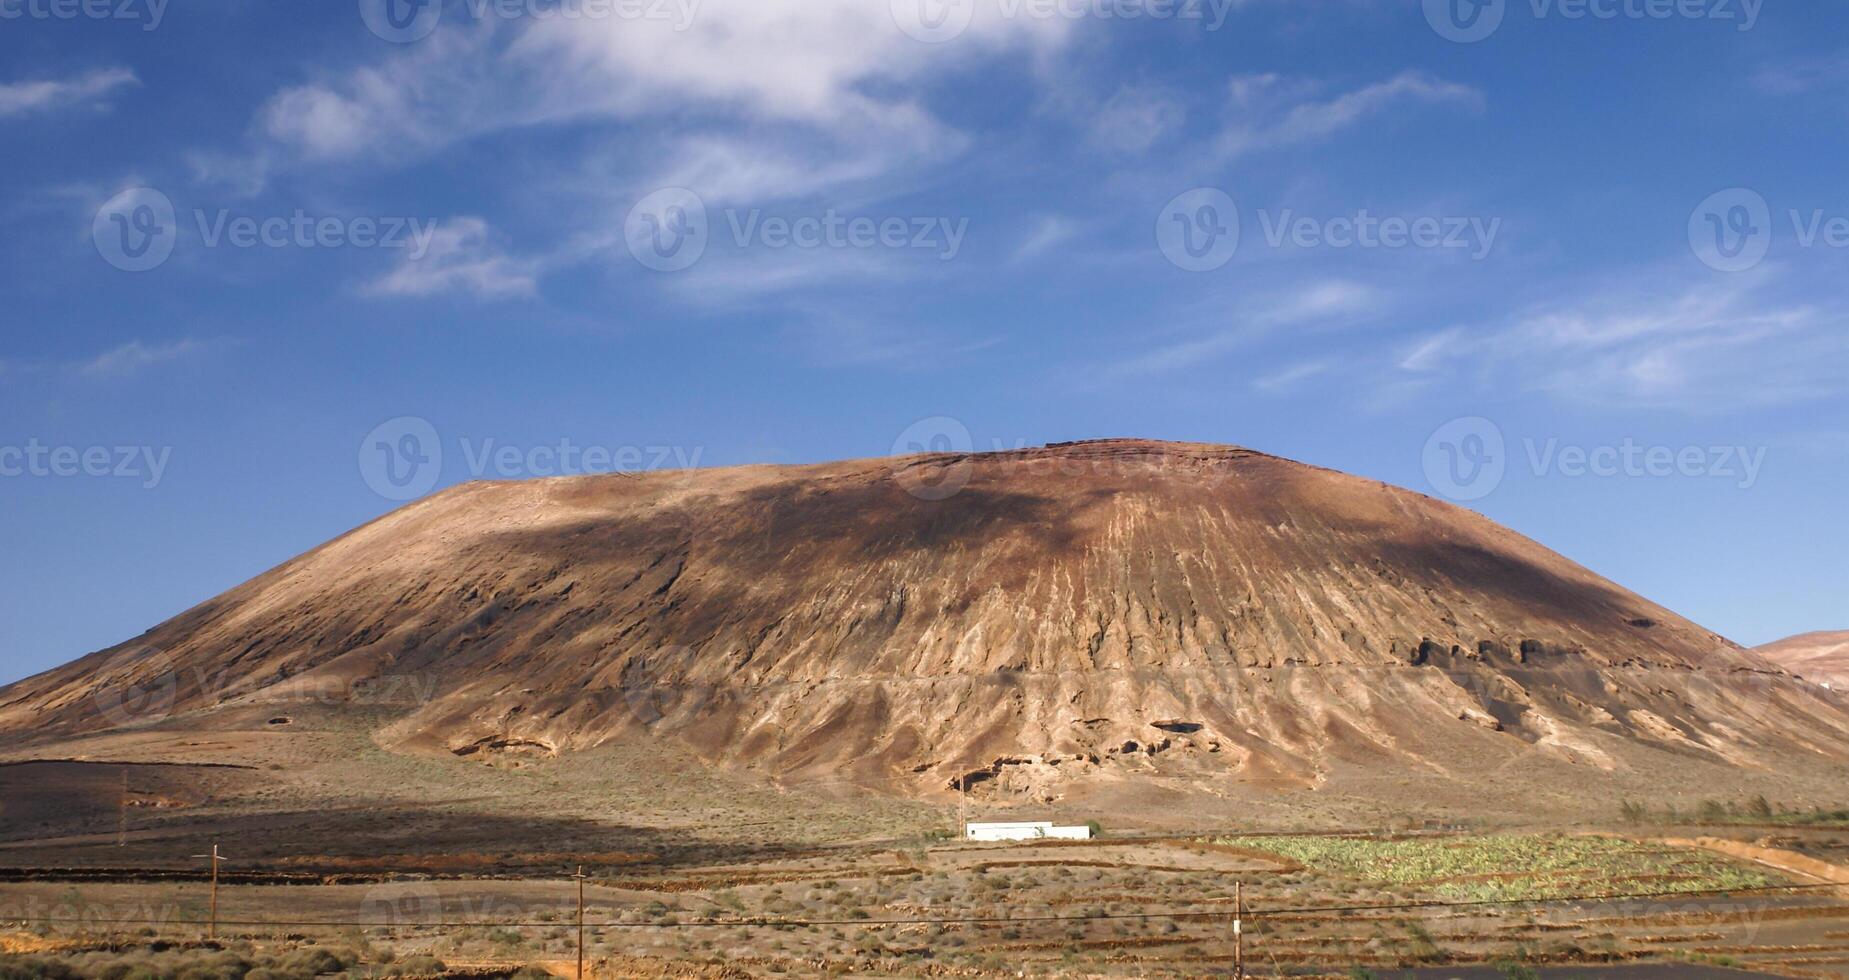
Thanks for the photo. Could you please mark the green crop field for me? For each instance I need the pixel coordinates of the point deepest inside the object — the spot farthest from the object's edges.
(1499, 867)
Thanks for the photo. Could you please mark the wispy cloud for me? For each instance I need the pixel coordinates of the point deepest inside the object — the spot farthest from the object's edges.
(1697, 345)
(461, 257)
(1804, 75)
(1049, 231)
(91, 89)
(1317, 303)
(1134, 118)
(1269, 112)
(1290, 377)
(135, 357)
(753, 103)
(744, 75)
(833, 339)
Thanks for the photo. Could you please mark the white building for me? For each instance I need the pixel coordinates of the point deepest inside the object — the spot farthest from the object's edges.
(1041, 830)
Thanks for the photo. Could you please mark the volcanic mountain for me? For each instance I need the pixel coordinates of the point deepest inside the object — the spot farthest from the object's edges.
(1822, 657)
(1107, 613)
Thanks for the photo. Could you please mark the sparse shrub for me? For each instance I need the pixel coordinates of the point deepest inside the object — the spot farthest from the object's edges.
(312, 962)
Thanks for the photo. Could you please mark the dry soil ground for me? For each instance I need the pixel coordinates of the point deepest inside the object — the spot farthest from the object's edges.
(694, 871)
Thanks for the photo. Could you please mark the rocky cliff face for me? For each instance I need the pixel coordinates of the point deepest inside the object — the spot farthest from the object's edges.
(1038, 618)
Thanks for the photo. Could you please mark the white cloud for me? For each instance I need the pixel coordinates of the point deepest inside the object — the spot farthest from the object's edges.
(1269, 112)
(1429, 352)
(1802, 76)
(804, 60)
(832, 338)
(1049, 231)
(91, 88)
(461, 257)
(1700, 344)
(1318, 303)
(753, 103)
(742, 72)
(1290, 377)
(1134, 118)
(135, 357)
(325, 124)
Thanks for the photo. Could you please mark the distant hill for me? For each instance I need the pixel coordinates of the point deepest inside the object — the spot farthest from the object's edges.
(1822, 657)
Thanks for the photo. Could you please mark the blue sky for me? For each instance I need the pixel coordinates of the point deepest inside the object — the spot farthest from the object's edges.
(1578, 265)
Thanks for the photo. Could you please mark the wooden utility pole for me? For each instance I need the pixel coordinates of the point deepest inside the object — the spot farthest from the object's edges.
(1239, 951)
(122, 814)
(212, 925)
(580, 877)
(963, 807)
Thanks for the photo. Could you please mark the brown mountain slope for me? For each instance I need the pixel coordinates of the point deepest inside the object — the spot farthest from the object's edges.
(1821, 657)
(1082, 614)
